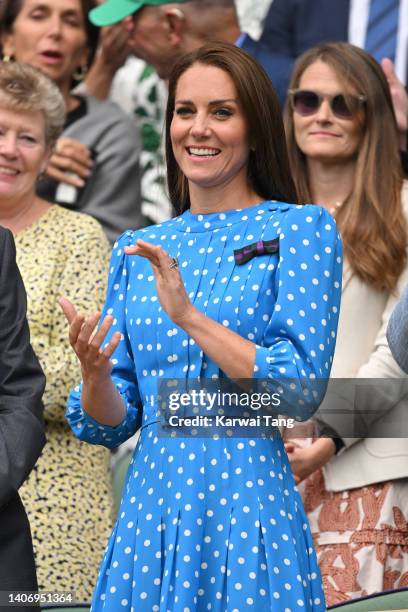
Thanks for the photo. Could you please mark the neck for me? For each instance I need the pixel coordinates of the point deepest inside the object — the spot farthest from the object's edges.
(222, 24)
(16, 216)
(70, 101)
(330, 184)
(227, 33)
(237, 194)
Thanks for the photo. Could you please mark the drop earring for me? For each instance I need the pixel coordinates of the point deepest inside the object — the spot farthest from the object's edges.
(80, 73)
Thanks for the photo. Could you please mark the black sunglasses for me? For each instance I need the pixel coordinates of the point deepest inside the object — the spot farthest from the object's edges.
(343, 106)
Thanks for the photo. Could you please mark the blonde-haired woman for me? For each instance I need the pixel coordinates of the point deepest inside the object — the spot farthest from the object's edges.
(68, 495)
(343, 148)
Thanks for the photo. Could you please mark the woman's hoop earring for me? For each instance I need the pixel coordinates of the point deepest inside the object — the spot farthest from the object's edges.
(80, 73)
(6, 58)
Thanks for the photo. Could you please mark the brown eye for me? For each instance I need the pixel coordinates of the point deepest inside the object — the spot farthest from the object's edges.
(73, 21)
(223, 112)
(183, 110)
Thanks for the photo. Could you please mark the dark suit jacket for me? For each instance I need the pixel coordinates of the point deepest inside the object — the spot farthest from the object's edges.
(277, 66)
(21, 428)
(292, 26)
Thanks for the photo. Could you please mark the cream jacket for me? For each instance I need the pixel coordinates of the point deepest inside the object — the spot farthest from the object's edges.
(362, 351)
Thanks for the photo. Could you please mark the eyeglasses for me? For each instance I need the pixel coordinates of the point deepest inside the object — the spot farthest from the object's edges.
(343, 106)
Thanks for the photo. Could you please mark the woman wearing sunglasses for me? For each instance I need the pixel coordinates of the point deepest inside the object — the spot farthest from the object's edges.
(343, 148)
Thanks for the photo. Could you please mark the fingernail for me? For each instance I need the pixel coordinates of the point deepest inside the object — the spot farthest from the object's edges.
(80, 182)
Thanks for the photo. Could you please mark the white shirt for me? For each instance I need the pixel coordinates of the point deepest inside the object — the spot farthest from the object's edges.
(358, 21)
(251, 15)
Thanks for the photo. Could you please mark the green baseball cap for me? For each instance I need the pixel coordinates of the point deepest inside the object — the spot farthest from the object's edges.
(113, 11)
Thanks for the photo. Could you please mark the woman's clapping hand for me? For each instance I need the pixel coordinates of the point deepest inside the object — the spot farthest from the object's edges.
(89, 346)
(170, 287)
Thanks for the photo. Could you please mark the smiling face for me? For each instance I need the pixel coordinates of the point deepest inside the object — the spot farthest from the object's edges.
(23, 154)
(49, 35)
(323, 136)
(209, 132)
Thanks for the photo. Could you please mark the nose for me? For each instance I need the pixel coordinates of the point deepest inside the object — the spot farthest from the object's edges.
(55, 26)
(8, 146)
(324, 113)
(200, 127)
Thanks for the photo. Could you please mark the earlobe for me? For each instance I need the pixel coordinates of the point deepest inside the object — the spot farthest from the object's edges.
(8, 46)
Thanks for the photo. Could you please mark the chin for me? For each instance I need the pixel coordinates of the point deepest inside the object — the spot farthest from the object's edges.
(324, 154)
(197, 177)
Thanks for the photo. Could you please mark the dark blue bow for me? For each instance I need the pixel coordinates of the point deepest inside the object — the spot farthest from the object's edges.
(262, 247)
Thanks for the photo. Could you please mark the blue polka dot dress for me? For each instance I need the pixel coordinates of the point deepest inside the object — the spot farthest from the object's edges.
(204, 523)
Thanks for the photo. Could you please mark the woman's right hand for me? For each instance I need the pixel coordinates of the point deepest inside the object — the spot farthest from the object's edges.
(70, 163)
(305, 461)
(399, 101)
(88, 346)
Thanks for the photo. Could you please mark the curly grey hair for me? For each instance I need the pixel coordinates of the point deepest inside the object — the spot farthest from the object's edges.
(24, 88)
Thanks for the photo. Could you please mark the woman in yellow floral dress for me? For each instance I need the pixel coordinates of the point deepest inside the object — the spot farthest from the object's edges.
(68, 495)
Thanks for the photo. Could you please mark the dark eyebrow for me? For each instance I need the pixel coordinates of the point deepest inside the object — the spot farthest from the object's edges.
(67, 11)
(212, 103)
(40, 5)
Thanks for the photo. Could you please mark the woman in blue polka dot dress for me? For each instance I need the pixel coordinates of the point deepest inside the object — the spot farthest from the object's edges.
(211, 523)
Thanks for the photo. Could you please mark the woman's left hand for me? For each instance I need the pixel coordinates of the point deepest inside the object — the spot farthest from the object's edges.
(170, 287)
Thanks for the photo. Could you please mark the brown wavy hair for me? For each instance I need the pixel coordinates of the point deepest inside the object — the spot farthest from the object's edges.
(268, 165)
(371, 220)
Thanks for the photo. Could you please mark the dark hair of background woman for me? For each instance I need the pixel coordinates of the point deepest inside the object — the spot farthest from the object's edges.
(10, 9)
(371, 220)
(268, 166)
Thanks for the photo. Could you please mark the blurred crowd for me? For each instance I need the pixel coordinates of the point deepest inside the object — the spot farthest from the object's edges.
(98, 71)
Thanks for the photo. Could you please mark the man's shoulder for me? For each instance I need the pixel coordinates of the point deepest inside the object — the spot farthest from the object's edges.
(3, 232)
(5, 239)
(263, 55)
(292, 26)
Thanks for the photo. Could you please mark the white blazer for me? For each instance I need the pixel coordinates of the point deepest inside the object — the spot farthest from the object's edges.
(362, 351)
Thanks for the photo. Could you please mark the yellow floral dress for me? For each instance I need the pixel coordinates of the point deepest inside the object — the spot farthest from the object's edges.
(68, 495)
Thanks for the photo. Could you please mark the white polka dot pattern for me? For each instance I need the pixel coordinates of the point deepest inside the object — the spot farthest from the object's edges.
(216, 524)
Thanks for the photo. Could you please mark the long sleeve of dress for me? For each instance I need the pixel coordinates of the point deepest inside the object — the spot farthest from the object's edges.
(82, 280)
(123, 372)
(21, 380)
(299, 340)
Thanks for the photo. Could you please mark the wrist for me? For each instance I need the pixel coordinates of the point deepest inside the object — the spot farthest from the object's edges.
(104, 65)
(323, 450)
(189, 320)
(92, 382)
